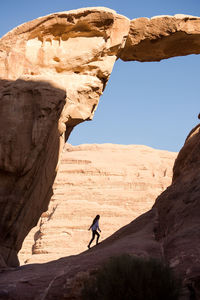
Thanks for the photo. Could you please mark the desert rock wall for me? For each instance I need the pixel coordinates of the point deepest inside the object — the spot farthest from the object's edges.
(116, 181)
(52, 72)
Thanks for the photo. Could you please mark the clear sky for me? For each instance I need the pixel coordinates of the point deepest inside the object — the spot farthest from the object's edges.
(154, 104)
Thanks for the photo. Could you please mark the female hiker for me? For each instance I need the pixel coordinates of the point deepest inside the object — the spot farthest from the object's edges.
(95, 227)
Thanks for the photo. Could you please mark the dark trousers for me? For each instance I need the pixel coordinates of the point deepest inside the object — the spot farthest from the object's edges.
(94, 232)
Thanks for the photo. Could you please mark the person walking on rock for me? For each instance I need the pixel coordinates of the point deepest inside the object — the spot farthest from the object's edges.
(95, 227)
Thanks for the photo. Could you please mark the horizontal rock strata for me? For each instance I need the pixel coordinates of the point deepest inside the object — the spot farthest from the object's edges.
(116, 181)
(52, 73)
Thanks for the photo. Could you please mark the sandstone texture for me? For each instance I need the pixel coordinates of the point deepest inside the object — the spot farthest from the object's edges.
(116, 181)
(53, 71)
(162, 37)
(169, 231)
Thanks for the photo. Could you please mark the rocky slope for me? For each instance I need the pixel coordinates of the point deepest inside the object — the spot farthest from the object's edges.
(168, 231)
(118, 182)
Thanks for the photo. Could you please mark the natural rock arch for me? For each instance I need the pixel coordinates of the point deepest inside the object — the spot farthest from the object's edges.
(53, 71)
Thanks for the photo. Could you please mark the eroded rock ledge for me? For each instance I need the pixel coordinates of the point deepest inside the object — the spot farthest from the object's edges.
(162, 37)
(53, 71)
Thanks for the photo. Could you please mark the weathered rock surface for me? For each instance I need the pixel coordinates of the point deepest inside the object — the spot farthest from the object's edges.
(118, 182)
(169, 231)
(162, 37)
(30, 146)
(53, 71)
(178, 211)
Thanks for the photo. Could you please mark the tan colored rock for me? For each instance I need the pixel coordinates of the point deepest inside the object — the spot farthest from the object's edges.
(169, 231)
(29, 152)
(74, 50)
(162, 37)
(47, 87)
(116, 181)
(39, 98)
(53, 70)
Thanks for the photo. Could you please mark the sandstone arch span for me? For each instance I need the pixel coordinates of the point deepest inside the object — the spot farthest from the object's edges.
(53, 71)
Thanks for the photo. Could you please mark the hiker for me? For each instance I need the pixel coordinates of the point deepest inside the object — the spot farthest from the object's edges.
(95, 227)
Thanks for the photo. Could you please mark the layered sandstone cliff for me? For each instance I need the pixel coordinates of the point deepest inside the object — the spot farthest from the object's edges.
(118, 182)
(168, 231)
(53, 70)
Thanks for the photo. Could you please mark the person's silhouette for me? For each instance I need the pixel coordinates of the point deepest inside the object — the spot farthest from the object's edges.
(95, 227)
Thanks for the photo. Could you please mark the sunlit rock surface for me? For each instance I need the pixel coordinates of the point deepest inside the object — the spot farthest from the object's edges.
(53, 71)
(162, 37)
(116, 181)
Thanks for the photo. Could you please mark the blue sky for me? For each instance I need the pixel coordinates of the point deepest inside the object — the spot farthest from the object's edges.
(154, 104)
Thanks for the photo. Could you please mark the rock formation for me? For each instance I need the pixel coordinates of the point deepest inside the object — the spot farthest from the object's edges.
(53, 70)
(119, 182)
(162, 37)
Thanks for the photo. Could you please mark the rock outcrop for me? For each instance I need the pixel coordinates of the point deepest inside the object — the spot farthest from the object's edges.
(169, 231)
(178, 211)
(119, 182)
(29, 151)
(53, 71)
(162, 37)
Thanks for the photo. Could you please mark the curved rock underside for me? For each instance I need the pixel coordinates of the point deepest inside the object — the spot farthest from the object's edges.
(53, 71)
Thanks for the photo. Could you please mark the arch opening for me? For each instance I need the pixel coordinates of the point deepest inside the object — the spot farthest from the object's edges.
(85, 52)
(152, 103)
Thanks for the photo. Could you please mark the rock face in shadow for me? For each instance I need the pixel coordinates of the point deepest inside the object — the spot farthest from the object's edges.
(117, 181)
(53, 71)
(169, 231)
(178, 211)
(76, 50)
(30, 145)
